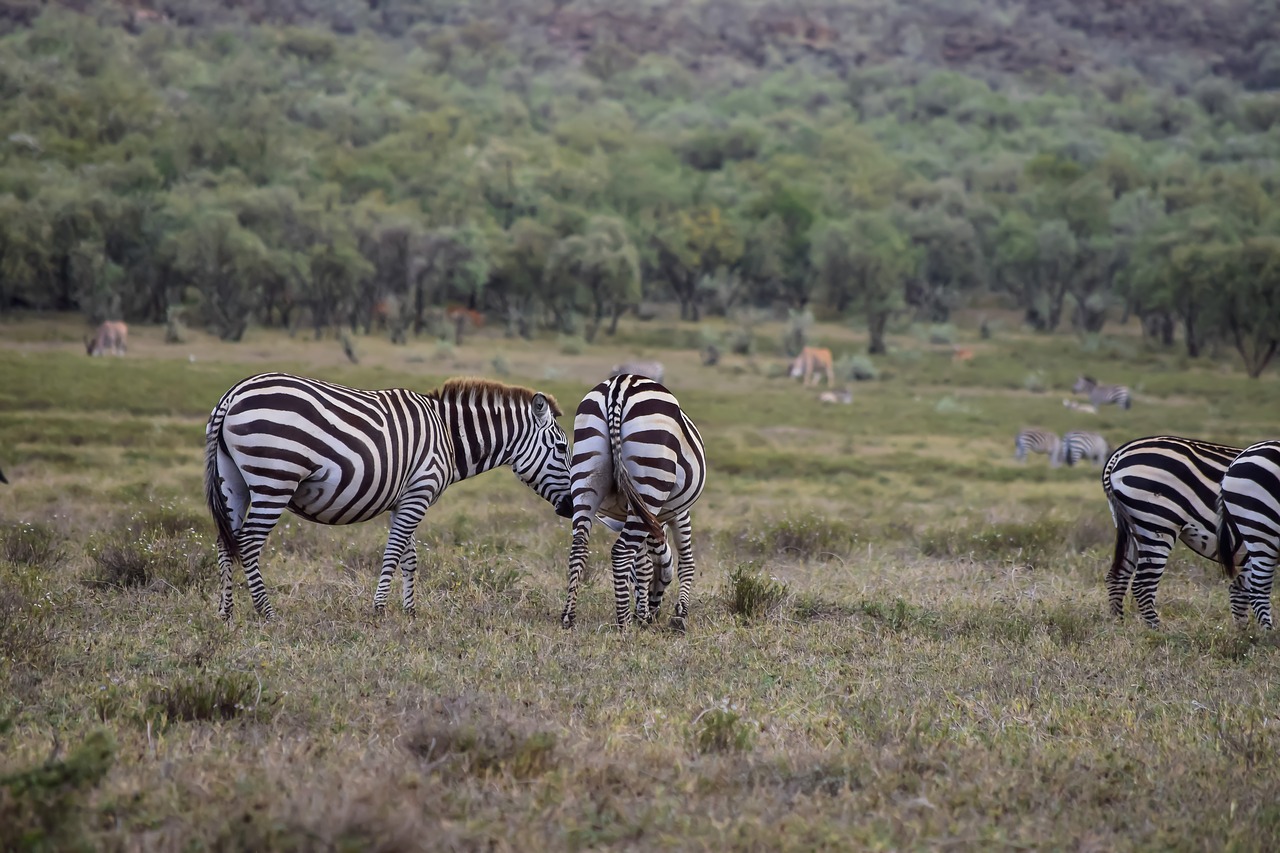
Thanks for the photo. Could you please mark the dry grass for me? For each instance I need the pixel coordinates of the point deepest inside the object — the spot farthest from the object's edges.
(898, 636)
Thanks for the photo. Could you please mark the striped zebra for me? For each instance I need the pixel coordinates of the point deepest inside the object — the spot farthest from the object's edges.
(638, 462)
(1102, 395)
(1036, 440)
(1077, 445)
(338, 455)
(1250, 515)
(1160, 489)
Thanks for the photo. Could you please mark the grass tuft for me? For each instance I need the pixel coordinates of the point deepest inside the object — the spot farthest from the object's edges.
(722, 729)
(475, 739)
(158, 548)
(752, 595)
(29, 544)
(40, 807)
(806, 537)
(209, 697)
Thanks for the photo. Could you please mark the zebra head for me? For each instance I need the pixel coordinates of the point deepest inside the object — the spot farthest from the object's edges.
(541, 462)
(1084, 384)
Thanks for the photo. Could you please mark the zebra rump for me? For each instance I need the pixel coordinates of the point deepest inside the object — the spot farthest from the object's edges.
(1249, 520)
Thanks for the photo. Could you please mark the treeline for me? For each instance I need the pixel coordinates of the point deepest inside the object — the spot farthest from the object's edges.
(554, 164)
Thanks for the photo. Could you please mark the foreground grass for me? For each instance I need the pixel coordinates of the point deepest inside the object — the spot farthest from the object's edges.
(898, 640)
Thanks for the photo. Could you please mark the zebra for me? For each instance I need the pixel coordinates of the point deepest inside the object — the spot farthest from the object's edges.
(638, 462)
(1036, 440)
(1101, 395)
(338, 455)
(1250, 515)
(1160, 489)
(1077, 445)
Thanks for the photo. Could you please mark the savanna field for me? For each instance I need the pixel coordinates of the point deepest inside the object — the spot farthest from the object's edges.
(898, 637)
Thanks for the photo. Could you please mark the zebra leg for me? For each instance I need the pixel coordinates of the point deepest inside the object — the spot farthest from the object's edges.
(408, 566)
(663, 572)
(684, 547)
(403, 523)
(577, 563)
(1145, 580)
(258, 523)
(1238, 594)
(1122, 566)
(1262, 568)
(623, 555)
(225, 602)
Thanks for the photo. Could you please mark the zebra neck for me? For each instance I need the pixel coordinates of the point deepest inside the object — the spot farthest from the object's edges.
(479, 444)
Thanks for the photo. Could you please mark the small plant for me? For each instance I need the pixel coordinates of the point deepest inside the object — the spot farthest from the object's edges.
(572, 345)
(949, 405)
(899, 616)
(722, 729)
(805, 537)
(40, 806)
(501, 367)
(203, 697)
(752, 595)
(482, 741)
(28, 544)
(856, 368)
(444, 350)
(1035, 382)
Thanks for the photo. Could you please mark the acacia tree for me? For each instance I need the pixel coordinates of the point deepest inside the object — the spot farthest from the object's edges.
(1249, 288)
(602, 266)
(224, 261)
(871, 257)
(691, 245)
(517, 278)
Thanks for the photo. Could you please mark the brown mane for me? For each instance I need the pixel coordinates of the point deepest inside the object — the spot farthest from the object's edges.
(475, 387)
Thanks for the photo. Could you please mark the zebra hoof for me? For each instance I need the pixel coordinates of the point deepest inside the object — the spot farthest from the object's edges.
(566, 621)
(379, 610)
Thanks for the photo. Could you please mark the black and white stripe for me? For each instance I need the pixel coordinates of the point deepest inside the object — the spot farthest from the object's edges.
(1036, 440)
(1103, 395)
(1251, 516)
(1160, 489)
(1078, 445)
(638, 462)
(338, 455)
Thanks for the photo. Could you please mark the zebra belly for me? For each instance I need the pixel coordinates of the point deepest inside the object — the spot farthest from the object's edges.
(318, 498)
(1203, 542)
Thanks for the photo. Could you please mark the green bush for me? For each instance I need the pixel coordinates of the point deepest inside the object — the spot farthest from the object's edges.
(752, 595)
(722, 729)
(40, 807)
(29, 544)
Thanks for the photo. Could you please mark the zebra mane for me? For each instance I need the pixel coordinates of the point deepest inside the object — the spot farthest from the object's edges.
(474, 387)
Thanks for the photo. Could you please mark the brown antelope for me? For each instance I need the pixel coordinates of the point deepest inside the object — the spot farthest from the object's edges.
(959, 354)
(111, 337)
(810, 362)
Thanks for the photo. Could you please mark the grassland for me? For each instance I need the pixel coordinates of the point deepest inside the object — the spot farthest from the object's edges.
(898, 635)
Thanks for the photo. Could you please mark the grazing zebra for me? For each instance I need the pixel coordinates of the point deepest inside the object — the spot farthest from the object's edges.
(651, 369)
(339, 455)
(1250, 515)
(1102, 395)
(1036, 440)
(111, 337)
(1077, 445)
(1160, 489)
(638, 462)
(810, 362)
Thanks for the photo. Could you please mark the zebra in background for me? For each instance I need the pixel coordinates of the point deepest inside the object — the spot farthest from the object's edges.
(338, 455)
(1102, 395)
(1161, 489)
(638, 462)
(1250, 516)
(1036, 440)
(1077, 445)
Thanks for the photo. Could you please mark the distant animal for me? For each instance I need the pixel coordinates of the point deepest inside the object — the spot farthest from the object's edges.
(650, 369)
(845, 397)
(1250, 517)
(1087, 408)
(1102, 395)
(1160, 489)
(810, 362)
(338, 455)
(1036, 440)
(1078, 445)
(959, 354)
(638, 462)
(111, 337)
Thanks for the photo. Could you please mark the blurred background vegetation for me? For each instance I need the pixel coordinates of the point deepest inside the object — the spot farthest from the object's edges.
(366, 163)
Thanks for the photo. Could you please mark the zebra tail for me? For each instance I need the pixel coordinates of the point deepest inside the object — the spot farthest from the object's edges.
(627, 484)
(1228, 541)
(213, 496)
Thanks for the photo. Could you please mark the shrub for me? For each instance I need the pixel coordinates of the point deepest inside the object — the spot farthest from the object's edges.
(572, 345)
(856, 368)
(1035, 382)
(204, 697)
(473, 738)
(24, 636)
(753, 595)
(805, 537)
(28, 544)
(722, 729)
(161, 545)
(40, 806)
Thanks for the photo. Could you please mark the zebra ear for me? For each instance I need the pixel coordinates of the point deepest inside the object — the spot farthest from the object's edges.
(540, 408)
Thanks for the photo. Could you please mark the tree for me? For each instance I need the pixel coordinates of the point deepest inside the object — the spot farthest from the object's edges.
(224, 261)
(690, 245)
(517, 278)
(1249, 287)
(871, 257)
(602, 267)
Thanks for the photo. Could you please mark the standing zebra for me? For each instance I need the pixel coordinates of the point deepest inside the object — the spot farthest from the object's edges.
(1077, 445)
(1161, 489)
(1101, 395)
(339, 455)
(1250, 515)
(638, 462)
(1036, 440)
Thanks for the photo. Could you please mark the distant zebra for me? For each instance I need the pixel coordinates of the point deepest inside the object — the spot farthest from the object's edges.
(338, 455)
(1160, 489)
(1077, 445)
(1102, 395)
(1250, 515)
(1036, 440)
(651, 369)
(638, 462)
